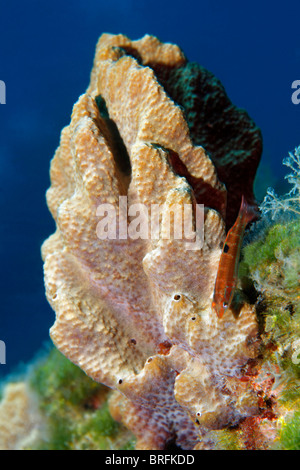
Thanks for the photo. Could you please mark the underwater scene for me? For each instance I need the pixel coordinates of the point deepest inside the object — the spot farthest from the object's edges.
(150, 230)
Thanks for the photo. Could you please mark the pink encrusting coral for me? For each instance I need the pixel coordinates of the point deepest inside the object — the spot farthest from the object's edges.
(135, 313)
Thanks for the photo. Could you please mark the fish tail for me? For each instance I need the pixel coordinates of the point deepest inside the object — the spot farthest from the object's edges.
(248, 212)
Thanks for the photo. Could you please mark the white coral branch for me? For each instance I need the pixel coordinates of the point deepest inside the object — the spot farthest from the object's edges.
(291, 201)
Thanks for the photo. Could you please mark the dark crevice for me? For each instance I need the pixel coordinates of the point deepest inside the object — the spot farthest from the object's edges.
(204, 193)
(114, 139)
(171, 445)
(132, 52)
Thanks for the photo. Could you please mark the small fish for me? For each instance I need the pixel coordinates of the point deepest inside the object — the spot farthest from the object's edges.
(227, 274)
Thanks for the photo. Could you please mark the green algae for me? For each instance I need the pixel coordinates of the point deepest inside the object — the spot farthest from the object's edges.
(76, 408)
(57, 376)
(272, 263)
(281, 241)
(225, 439)
(290, 433)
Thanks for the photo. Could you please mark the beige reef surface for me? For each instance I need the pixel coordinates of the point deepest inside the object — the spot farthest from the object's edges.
(133, 313)
(21, 423)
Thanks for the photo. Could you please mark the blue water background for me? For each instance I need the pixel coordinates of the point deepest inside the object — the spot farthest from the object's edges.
(46, 54)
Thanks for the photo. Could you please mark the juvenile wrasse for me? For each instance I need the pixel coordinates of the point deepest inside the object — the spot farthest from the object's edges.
(227, 274)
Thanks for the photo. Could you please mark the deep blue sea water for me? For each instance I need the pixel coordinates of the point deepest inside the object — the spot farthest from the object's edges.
(46, 54)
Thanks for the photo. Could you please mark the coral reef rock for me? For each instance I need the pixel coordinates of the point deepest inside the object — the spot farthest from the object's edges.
(21, 424)
(135, 312)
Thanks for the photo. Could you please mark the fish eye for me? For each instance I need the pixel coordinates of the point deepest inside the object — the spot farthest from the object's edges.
(177, 297)
(226, 248)
(225, 304)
